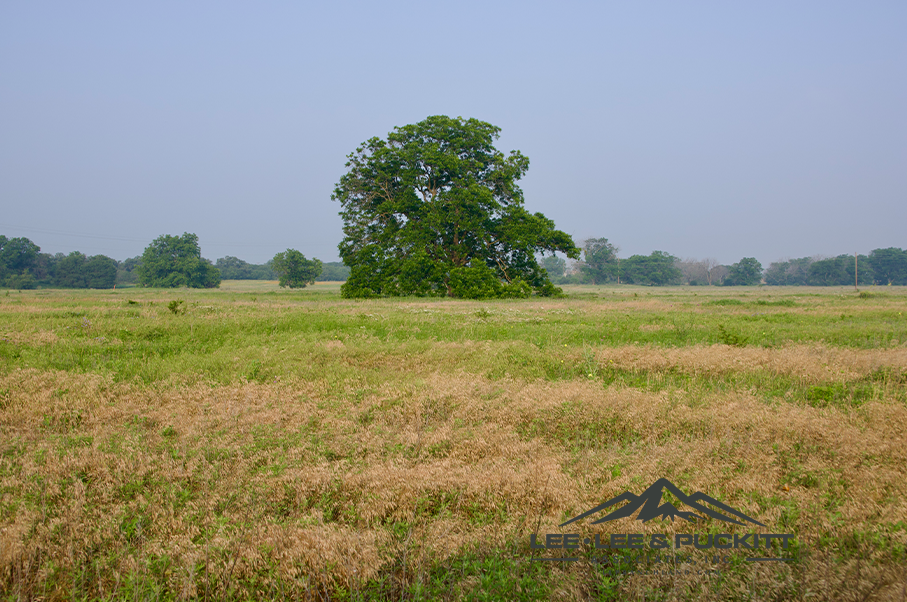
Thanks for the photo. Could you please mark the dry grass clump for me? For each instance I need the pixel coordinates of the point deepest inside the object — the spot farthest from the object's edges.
(807, 363)
(302, 487)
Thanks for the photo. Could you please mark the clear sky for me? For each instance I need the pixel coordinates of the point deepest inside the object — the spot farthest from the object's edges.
(703, 129)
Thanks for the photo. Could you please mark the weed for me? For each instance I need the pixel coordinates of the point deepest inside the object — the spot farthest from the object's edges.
(730, 338)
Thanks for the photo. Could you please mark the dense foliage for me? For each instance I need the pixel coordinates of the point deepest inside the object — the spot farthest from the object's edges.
(333, 271)
(23, 266)
(434, 209)
(233, 268)
(599, 261)
(294, 270)
(833, 271)
(78, 271)
(889, 265)
(172, 261)
(657, 269)
(555, 266)
(746, 272)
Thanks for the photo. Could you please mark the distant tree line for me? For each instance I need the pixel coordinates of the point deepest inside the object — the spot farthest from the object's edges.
(169, 261)
(23, 266)
(176, 261)
(232, 268)
(600, 264)
(882, 266)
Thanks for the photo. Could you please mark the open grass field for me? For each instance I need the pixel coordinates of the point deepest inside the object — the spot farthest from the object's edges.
(255, 443)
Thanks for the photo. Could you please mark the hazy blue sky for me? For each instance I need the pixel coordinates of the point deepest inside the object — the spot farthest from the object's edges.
(720, 129)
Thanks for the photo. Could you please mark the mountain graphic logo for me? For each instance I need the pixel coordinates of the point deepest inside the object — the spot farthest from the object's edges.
(650, 506)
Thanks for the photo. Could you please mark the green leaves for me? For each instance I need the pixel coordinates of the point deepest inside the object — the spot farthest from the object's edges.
(657, 269)
(173, 261)
(436, 198)
(746, 272)
(600, 263)
(294, 270)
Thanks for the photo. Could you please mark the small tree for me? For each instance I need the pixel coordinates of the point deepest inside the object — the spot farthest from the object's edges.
(172, 261)
(294, 270)
(745, 272)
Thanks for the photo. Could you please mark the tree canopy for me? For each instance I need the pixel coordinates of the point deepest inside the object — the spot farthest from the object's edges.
(17, 256)
(78, 271)
(333, 271)
(294, 270)
(233, 268)
(746, 272)
(889, 265)
(435, 210)
(555, 266)
(172, 261)
(657, 269)
(600, 260)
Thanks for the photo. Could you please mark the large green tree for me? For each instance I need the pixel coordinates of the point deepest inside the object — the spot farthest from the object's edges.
(172, 261)
(435, 208)
(294, 270)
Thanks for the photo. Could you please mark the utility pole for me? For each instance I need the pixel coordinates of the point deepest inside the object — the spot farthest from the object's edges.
(856, 279)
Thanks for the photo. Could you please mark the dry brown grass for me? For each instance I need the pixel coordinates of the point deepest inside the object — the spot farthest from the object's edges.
(299, 485)
(386, 444)
(806, 363)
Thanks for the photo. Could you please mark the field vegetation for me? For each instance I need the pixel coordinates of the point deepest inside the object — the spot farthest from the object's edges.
(252, 442)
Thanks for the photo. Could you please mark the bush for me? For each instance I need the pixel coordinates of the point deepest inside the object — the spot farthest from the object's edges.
(21, 282)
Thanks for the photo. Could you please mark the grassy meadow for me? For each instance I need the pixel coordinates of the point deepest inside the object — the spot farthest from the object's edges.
(256, 443)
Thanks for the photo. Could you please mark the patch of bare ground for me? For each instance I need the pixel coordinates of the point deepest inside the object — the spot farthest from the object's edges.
(308, 487)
